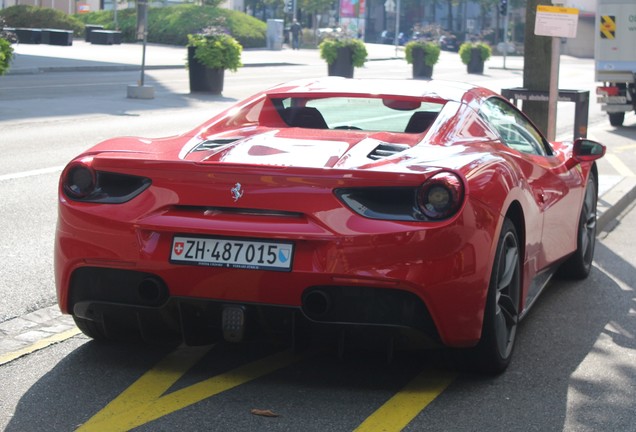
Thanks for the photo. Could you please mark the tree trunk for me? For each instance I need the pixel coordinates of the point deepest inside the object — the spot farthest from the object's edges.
(537, 59)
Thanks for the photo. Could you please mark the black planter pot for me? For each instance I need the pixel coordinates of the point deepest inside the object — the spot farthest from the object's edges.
(203, 78)
(476, 64)
(343, 65)
(88, 28)
(420, 69)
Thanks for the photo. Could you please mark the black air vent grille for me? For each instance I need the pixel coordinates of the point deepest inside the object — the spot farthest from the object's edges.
(208, 145)
(385, 150)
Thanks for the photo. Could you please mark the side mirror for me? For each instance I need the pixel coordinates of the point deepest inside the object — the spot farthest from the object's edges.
(586, 150)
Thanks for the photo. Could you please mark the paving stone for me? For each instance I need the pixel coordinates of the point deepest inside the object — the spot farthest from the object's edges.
(32, 336)
(43, 315)
(16, 325)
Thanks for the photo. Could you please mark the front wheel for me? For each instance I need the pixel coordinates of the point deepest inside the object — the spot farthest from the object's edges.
(579, 264)
(493, 352)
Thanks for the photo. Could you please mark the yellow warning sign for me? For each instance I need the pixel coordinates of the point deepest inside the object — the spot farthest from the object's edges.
(608, 27)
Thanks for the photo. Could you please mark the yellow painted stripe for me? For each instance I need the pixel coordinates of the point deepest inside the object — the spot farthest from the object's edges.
(402, 408)
(143, 402)
(36, 346)
(619, 165)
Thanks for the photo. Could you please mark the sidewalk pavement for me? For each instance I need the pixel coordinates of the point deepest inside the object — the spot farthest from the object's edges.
(85, 56)
(36, 330)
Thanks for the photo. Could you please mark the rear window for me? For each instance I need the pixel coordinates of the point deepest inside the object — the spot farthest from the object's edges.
(358, 113)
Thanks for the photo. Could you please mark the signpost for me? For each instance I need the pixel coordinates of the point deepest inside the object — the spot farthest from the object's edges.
(142, 91)
(557, 22)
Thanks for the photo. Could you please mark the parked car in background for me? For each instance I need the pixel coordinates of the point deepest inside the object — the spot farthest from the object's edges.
(388, 38)
(448, 43)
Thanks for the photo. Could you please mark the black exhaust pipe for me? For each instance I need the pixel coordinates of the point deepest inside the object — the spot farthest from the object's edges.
(152, 291)
(316, 304)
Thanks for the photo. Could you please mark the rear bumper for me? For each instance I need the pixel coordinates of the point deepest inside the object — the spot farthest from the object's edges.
(134, 304)
(432, 279)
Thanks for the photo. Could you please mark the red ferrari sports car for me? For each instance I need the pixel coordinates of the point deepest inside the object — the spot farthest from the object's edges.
(426, 212)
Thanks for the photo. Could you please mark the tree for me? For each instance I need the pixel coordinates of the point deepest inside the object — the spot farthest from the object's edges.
(537, 63)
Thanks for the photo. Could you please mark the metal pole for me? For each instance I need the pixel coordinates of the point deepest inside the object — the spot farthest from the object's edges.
(505, 39)
(397, 27)
(554, 88)
(143, 50)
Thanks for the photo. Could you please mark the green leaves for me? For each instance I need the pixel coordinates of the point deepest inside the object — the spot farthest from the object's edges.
(329, 50)
(466, 48)
(431, 51)
(217, 51)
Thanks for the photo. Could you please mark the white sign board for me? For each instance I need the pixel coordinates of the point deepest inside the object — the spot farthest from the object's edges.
(556, 21)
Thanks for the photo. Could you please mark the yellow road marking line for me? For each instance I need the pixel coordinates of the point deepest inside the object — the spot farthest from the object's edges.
(402, 408)
(144, 401)
(619, 165)
(622, 148)
(36, 346)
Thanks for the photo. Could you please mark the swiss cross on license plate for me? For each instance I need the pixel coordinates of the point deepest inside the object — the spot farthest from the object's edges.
(232, 253)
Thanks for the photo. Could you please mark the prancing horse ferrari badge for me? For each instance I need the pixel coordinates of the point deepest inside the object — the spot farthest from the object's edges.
(237, 192)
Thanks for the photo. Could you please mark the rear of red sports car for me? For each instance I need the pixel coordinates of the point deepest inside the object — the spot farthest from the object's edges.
(267, 220)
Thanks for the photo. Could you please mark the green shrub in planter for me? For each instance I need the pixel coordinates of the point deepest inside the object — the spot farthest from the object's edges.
(473, 55)
(210, 53)
(466, 48)
(6, 50)
(216, 51)
(329, 50)
(431, 51)
(423, 55)
(6, 55)
(342, 54)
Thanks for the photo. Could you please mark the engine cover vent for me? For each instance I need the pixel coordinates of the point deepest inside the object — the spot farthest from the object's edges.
(213, 144)
(385, 150)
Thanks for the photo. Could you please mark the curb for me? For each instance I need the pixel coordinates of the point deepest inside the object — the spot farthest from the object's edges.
(125, 68)
(615, 201)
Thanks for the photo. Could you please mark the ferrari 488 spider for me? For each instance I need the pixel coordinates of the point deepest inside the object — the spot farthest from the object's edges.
(430, 212)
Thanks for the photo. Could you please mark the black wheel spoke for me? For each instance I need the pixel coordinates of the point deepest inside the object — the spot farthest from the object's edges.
(502, 333)
(588, 230)
(510, 260)
(507, 295)
(508, 310)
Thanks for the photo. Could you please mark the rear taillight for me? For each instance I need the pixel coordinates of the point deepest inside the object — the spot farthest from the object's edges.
(607, 91)
(81, 182)
(441, 196)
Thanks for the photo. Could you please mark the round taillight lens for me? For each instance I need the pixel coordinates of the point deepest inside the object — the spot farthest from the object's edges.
(79, 181)
(441, 196)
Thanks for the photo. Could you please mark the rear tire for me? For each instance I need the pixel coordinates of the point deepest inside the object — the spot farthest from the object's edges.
(493, 353)
(617, 119)
(579, 265)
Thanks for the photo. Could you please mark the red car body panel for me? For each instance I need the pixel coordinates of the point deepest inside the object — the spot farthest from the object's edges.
(291, 174)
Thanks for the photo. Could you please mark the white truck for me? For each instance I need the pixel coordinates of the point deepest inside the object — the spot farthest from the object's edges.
(615, 57)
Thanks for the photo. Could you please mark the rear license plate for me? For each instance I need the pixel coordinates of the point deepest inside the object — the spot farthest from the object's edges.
(232, 253)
